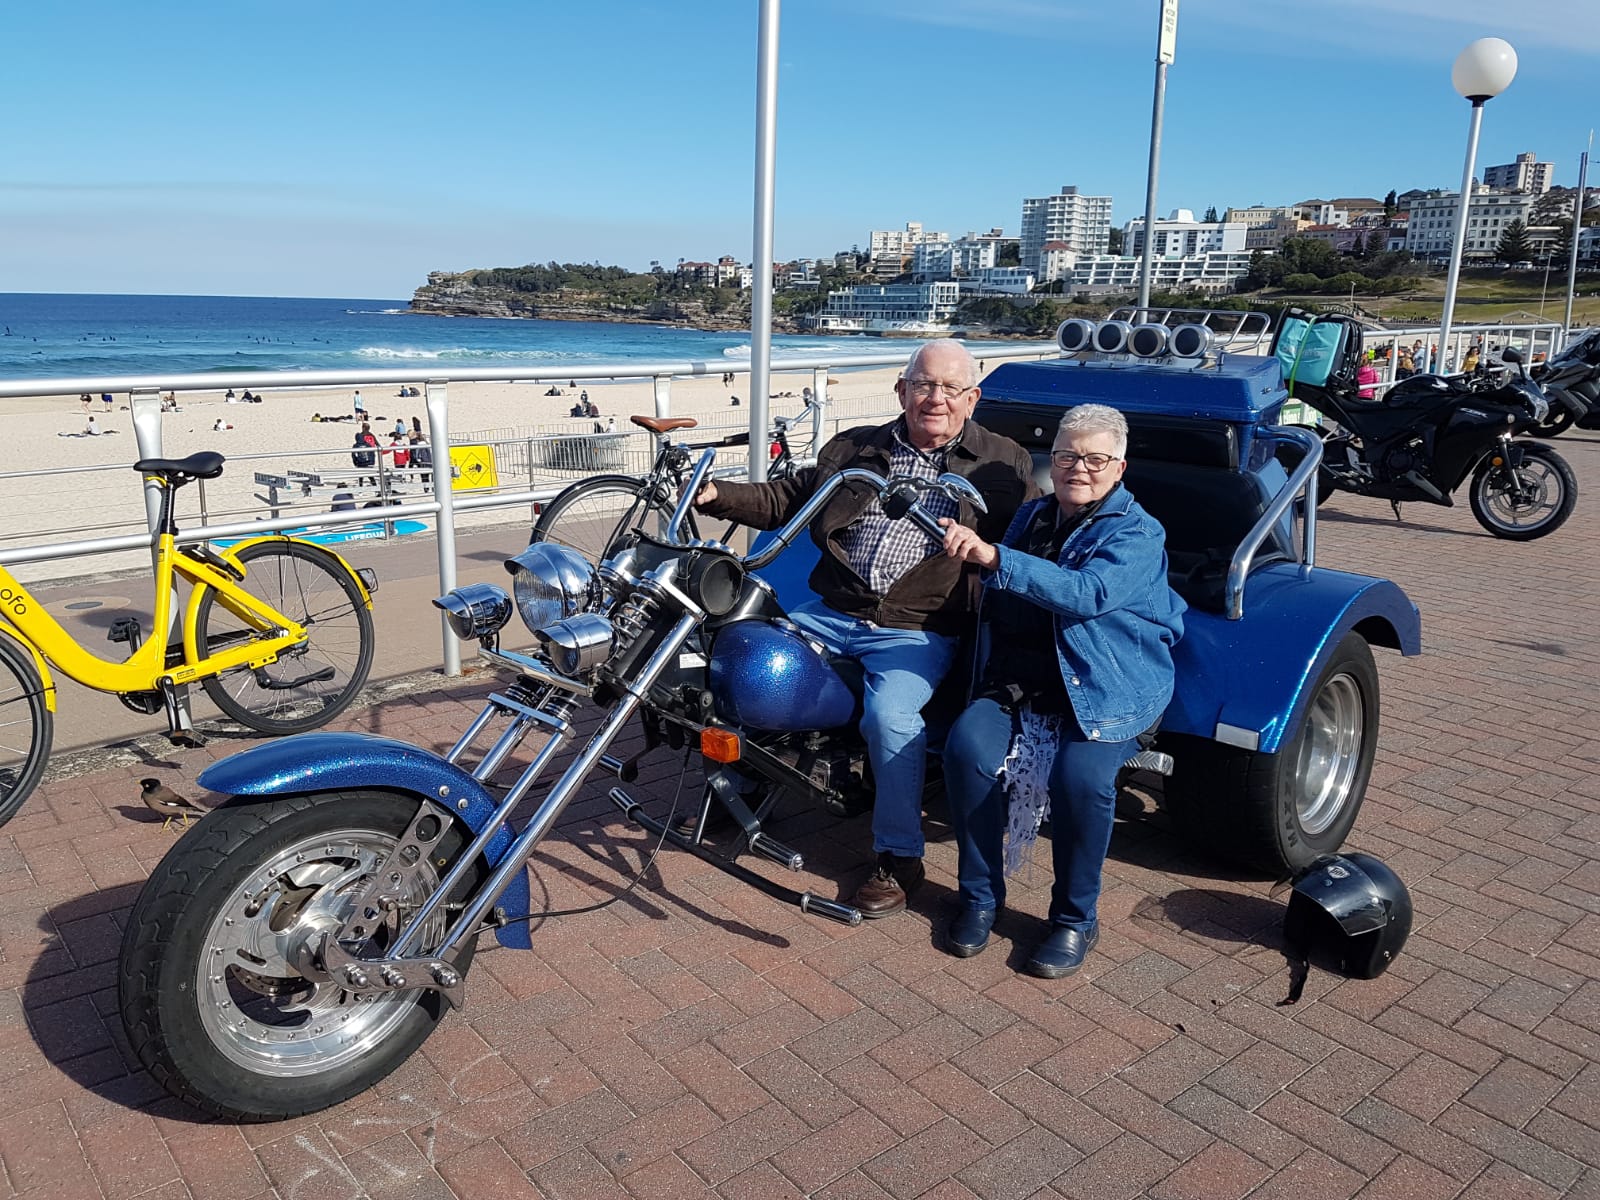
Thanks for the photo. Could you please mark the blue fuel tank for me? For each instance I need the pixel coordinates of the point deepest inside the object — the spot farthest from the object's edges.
(766, 676)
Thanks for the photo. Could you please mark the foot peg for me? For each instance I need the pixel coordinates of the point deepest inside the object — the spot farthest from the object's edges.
(264, 680)
(831, 909)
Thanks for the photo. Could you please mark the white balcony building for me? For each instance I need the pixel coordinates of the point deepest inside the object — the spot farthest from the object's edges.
(1214, 271)
(1431, 223)
(1181, 236)
(1082, 221)
(1524, 175)
(891, 308)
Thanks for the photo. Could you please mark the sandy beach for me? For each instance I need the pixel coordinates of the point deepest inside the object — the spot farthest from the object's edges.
(100, 496)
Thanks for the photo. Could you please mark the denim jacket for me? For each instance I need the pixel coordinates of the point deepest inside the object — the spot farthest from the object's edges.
(1116, 620)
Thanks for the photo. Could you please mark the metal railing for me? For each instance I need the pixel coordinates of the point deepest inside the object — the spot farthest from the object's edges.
(144, 396)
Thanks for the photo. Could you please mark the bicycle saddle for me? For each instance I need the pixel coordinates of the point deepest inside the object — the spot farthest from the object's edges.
(664, 424)
(205, 464)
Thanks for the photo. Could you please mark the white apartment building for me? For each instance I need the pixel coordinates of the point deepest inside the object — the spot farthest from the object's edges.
(932, 260)
(891, 308)
(1251, 218)
(1083, 222)
(1214, 271)
(1181, 236)
(1056, 260)
(963, 257)
(1004, 281)
(1524, 175)
(1432, 221)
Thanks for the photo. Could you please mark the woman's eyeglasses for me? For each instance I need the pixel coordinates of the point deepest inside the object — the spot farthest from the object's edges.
(1093, 463)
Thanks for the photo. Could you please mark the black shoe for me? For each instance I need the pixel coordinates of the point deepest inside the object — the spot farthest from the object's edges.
(968, 933)
(889, 886)
(1062, 952)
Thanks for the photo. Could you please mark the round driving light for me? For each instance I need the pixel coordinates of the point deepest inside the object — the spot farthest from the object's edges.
(476, 610)
(1075, 335)
(549, 582)
(1148, 341)
(579, 643)
(1111, 337)
(1191, 341)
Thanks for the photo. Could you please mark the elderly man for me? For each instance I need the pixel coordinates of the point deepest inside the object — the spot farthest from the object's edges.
(887, 594)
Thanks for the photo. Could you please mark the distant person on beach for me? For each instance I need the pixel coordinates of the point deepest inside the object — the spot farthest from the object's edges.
(416, 426)
(228, 396)
(91, 429)
(399, 428)
(577, 411)
(421, 456)
(365, 454)
(105, 398)
(220, 426)
(733, 402)
(611, 424)
(359, 404)
(169, 402)
(85, 400)
(399, 449)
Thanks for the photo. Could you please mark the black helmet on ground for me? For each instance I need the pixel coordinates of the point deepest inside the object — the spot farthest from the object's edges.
(1350, 911)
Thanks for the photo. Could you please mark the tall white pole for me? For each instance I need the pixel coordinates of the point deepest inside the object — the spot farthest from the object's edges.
(1166, 45)
(761, 285)
(1458, 242)
(1577, 230)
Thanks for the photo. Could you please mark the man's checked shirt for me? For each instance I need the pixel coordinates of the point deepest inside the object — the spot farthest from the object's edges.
(881, 550)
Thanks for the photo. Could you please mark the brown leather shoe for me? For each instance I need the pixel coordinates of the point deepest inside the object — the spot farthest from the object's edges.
(889, 886)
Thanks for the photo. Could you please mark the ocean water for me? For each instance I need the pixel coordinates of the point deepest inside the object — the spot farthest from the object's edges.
(48, 335)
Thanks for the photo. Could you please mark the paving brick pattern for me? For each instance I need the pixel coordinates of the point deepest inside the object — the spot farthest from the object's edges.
(696, 1039)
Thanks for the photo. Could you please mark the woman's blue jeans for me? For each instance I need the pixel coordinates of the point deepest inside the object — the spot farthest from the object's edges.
(902, 667)
(1083, 792)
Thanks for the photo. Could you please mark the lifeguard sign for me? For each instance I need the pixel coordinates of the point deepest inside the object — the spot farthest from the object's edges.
(1168, 44)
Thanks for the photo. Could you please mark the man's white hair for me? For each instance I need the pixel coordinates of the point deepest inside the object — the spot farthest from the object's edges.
(1096, 418)
(971, 368)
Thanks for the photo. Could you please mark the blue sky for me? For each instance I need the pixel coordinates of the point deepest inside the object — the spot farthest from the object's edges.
(346, 149)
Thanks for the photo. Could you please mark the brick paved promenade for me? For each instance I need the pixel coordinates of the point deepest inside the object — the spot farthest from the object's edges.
(696, 1039)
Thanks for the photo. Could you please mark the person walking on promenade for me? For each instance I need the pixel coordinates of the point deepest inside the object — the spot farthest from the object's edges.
(1085, 572)
(889, 597)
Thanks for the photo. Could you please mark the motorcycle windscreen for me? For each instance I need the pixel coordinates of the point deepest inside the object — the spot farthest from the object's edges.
(766, 677)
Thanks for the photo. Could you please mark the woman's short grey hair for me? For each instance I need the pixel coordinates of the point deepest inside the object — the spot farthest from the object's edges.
(1097, 418)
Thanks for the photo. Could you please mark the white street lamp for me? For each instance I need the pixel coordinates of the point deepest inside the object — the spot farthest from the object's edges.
(1482, 71)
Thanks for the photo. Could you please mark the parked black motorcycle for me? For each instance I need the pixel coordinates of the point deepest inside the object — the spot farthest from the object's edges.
(1572, 381)
(1430, 433)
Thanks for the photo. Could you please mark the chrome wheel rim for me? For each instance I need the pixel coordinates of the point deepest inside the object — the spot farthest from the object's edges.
(1330, 754)
(256, 1005)
(1539, 482)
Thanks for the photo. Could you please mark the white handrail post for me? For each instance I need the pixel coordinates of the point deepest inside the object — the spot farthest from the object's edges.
(145, 405)
(438, 407)
(761, 288)
(819, 394)
(663, 395)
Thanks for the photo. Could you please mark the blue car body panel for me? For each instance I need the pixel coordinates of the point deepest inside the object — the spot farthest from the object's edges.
(328, 762)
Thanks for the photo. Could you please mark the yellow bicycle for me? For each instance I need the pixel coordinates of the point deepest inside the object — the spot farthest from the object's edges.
(278, 631)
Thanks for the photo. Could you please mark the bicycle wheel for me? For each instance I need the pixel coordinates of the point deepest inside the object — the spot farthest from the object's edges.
(26, 727)
(312, 683)
(590, 515)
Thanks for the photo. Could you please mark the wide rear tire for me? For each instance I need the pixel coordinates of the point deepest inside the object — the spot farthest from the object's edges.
(1276, 813)
(210, 997)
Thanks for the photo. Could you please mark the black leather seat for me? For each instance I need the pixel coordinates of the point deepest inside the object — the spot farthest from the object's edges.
(204, 464)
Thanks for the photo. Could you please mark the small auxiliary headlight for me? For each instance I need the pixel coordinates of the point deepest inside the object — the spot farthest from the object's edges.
(1192, 341)
(1148, 341)
(550, 582)
(1111, 337)
(475, 611)
(1075, 334)
(578, 643)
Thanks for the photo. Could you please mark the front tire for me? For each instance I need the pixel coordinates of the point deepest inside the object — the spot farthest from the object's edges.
(1278, 812)
(26, 728)
(210, 995)
(1536, 501)
(312, 587)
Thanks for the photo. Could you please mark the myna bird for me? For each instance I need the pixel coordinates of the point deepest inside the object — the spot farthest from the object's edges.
(161, 799)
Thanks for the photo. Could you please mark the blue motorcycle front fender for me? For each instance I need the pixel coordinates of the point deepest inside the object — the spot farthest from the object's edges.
(331, 762)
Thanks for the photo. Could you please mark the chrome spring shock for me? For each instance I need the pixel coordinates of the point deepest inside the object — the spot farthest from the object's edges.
(632, 617)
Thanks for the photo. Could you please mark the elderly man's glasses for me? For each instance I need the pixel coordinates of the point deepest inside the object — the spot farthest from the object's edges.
(1093, 463)
(927, 387)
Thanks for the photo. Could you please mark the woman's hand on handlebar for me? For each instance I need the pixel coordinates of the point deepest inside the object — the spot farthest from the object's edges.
(965, 545)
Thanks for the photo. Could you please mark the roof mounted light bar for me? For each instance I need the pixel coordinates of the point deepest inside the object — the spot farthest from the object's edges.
(1183, 333)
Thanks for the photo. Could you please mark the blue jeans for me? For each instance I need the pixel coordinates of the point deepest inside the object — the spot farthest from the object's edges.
(1083, 792)
(902, 667)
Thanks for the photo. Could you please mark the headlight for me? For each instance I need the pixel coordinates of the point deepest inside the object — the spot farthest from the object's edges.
(550, 582)
(578, 643)
(476, 611)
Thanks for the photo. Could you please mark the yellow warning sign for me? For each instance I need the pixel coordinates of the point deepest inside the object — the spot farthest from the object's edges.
(474, 468)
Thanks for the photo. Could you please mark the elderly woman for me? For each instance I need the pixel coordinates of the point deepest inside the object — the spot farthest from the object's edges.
(1083, 574)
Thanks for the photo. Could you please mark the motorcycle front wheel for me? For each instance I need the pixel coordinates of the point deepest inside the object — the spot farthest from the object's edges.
(1534, 500)
(212, 997)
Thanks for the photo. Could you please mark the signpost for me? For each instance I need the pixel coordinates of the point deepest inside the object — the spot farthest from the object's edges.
(1166, 48)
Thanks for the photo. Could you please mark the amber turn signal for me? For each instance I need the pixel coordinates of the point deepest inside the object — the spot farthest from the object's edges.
(720, 745)
(1497, 461)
